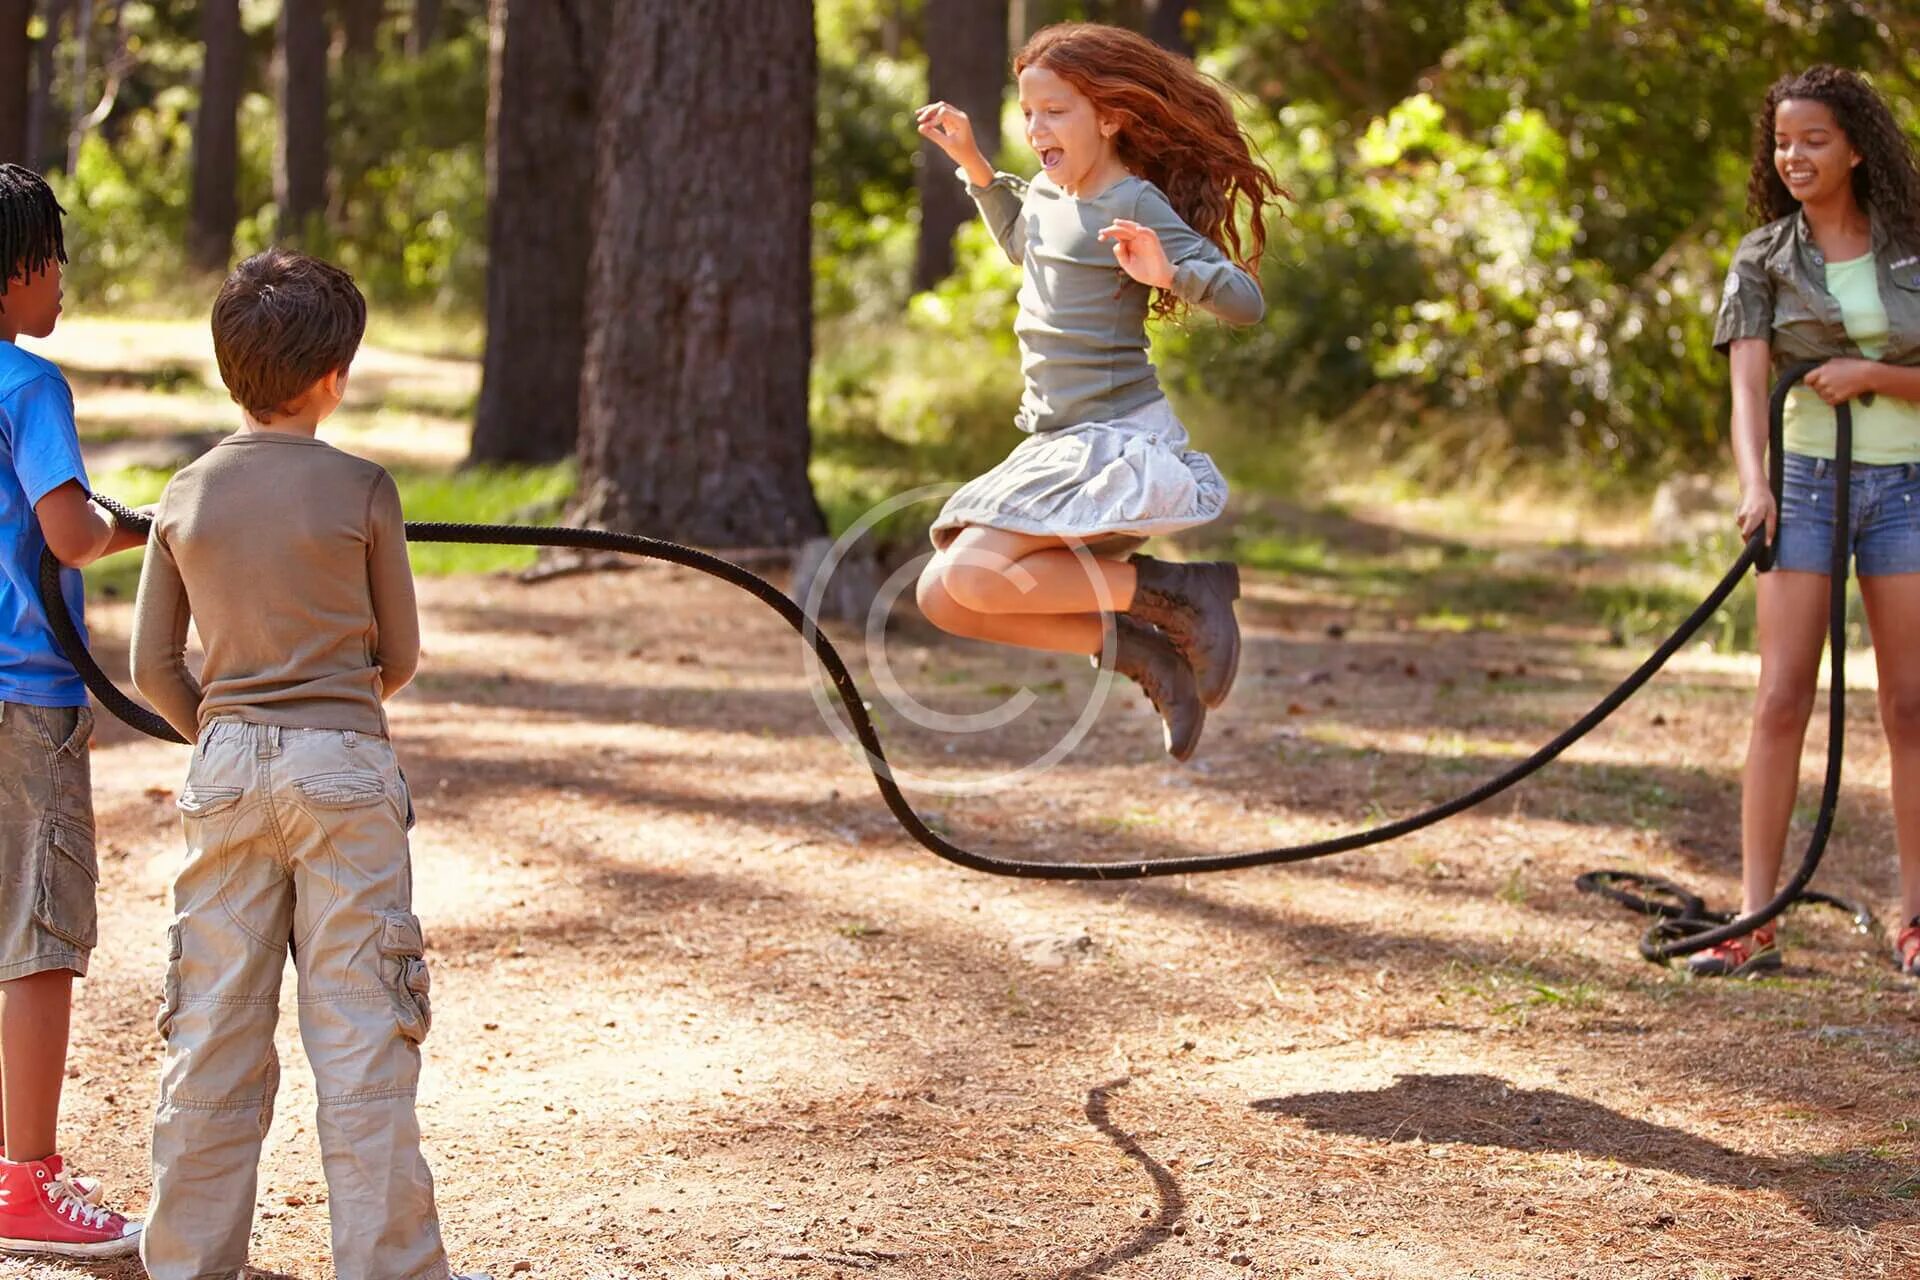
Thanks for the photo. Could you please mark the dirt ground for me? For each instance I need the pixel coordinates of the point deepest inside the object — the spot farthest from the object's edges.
(703, 1011)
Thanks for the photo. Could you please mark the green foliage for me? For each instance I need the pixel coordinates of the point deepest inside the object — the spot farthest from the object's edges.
(407, 150)
(1509, 223)
(482, 495)
(1509, 220)
(864, 212)
(127, 204)
(410, 165)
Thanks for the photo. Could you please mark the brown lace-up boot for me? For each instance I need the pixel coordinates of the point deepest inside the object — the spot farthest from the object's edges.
(1193, 604)
(1149, 659)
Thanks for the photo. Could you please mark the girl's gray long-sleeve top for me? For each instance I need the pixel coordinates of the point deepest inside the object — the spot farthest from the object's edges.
(1082, 322)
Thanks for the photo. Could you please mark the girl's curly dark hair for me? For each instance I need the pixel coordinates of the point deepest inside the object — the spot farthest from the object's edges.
(1886, 179)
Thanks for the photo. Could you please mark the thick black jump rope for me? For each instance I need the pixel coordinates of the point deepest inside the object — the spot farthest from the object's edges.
(1685, 925)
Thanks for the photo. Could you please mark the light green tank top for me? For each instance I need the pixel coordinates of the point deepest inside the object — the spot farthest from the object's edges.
(1886, 431)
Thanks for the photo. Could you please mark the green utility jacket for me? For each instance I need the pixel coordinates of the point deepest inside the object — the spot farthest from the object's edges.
(1777, 290)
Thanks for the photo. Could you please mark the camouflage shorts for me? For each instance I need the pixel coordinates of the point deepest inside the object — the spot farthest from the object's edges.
(48, 919)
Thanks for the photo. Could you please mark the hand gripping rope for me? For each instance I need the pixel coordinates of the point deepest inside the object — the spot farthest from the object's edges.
(1755, 552)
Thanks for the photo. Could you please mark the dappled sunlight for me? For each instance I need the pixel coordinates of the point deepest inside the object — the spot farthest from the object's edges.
(154, 378)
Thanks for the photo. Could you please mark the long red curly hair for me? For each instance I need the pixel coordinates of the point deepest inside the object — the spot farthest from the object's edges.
(1176, 130)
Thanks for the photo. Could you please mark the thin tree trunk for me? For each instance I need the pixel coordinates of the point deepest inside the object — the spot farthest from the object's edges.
(1166, 25)
(300, 161)
(540, 126)
(40, 130)
(967, 66)
(699, 326)
(360, 26)
(113, 73)
(215, 204)
(893, 23)
(16, 58)
(82, 39)
(426, 26)
(1024, 17)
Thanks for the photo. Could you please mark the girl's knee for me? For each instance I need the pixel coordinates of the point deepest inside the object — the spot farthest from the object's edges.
(936, 603)
(1782, 709)
(1900, 716)
(986, 585)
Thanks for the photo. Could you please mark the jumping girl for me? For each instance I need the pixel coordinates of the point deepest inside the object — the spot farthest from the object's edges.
(1834, 275)
(1144, 172)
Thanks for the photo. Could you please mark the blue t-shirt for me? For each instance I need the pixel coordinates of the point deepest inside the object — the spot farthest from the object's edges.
(39, 452)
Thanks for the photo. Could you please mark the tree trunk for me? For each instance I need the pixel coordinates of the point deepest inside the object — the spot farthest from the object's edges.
(966, 43)
(893, 24)
(540, 124)
(113, 73)
(1024, 17)
(215, 206)
(300, 161)
(82, 42)
(41, 144)
(16, 56)
(699, 326)
(1166, 25)
(360, 26)
(426, 26)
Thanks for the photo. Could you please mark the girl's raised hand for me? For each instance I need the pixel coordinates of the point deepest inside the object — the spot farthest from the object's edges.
(948, 128)
(1137, 249)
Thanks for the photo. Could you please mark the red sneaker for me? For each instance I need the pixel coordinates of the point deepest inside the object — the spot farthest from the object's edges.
(89, 1188)
(42, 1214)
(1906, 949)
(1737, 957)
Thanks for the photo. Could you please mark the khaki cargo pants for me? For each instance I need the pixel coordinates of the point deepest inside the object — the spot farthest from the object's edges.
(48, 916)
(296, 840)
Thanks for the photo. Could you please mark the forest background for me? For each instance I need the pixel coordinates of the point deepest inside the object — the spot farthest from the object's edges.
(1508, 224)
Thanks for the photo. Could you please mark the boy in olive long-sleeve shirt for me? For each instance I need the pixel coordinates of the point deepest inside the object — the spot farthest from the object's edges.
(290, 557)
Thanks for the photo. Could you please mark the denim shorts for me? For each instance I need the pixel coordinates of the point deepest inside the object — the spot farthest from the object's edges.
(1883, 520)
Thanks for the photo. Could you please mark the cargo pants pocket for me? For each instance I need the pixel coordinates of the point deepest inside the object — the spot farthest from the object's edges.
(69, 884)
(403, 970)
(203, 802)
(170, 992)
(344, 789)
(406, 792)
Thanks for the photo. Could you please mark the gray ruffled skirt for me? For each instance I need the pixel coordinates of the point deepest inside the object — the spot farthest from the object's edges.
(1109, 484)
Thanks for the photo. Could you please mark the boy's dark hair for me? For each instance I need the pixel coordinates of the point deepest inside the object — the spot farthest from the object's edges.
(282, 322)
(30, 235)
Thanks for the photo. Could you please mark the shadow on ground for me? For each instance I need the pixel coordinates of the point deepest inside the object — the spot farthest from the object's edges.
(1853, 1189)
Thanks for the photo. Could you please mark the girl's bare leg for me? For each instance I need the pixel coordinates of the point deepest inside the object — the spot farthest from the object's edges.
(1893, 616)
(993, 571)
(1023, 590)
(1052, 632)
(1793, 629)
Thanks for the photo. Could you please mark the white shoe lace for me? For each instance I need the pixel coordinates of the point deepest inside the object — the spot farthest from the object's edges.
(69, 1203)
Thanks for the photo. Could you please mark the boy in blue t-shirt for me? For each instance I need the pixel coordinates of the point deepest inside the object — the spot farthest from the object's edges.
(47, 869)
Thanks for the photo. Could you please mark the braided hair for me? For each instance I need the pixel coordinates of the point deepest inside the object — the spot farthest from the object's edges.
(1887, 179)
(30, 236)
